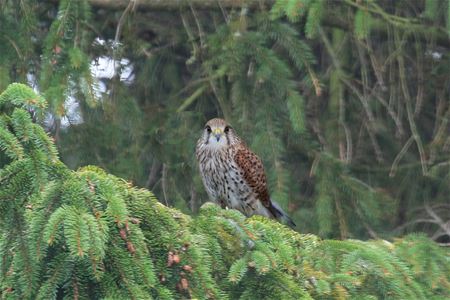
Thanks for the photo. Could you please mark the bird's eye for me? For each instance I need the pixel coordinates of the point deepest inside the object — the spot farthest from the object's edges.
(227, 129)
(208, 128)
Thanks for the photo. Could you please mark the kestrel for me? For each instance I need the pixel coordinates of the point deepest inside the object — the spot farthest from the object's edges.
(233, 175)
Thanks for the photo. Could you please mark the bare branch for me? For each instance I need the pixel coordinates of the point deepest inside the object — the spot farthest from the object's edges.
(400, 155)
(445, 226)
(409, 110)
(164, 184)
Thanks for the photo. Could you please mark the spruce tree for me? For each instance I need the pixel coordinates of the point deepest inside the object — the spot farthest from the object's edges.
(87, 234)
(345, 101)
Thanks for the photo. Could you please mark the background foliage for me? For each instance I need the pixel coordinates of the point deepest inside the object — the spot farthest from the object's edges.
(347, 102)
(89, 235)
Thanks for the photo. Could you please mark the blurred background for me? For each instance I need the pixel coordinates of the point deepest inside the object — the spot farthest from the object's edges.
(346, 102)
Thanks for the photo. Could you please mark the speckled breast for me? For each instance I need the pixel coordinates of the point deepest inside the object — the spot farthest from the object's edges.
(224, 181)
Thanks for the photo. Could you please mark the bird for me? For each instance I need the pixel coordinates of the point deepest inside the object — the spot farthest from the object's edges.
(233, 175)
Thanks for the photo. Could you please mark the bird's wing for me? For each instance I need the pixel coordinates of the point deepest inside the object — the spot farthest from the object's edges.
(253, 173)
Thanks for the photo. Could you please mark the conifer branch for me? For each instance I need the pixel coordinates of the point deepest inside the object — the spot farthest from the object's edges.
(104, 238)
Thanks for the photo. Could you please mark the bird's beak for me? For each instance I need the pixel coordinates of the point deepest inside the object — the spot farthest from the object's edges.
(217, 133)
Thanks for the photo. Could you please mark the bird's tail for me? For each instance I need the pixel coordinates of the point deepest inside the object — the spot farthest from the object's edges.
(280, 215)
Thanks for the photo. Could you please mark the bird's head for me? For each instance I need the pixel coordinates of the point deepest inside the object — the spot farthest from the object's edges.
(218, 134)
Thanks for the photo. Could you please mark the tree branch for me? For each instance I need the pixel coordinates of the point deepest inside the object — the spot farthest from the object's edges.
(331, 19)
(176, 4)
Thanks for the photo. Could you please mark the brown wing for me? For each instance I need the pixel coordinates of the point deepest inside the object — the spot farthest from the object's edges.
(253, 173)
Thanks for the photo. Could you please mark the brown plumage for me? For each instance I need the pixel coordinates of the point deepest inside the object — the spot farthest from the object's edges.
(233, 175)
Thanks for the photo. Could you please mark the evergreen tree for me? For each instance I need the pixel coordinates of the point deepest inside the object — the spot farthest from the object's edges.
(345, 101)
(87, 234)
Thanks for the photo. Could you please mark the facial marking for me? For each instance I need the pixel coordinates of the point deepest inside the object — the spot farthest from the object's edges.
(218, 135)
(216, 139)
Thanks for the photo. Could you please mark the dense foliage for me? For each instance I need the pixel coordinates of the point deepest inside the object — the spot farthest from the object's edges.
(347, 102)
(89, 235)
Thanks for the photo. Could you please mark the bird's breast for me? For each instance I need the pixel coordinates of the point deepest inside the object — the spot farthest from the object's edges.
(224, 181)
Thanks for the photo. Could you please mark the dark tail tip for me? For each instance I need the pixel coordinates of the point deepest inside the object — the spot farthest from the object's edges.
(281, 216)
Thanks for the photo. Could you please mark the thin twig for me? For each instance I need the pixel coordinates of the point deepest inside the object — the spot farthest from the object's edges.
(369, 229)
(445, 226)
(193, 200)
(343, 229)
(122, 19)
(409, 110)
(152, 176)
(315, 163)
(201, 34)
(130, 5)
(416, 221)
(164, 184)
(343, 78)
(400, 155)
(420, 79)
(224, 13)
(376, 146)
(392, 114)
(376, 66)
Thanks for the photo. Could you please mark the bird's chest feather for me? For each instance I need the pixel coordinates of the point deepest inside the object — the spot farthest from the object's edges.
(224, 181)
